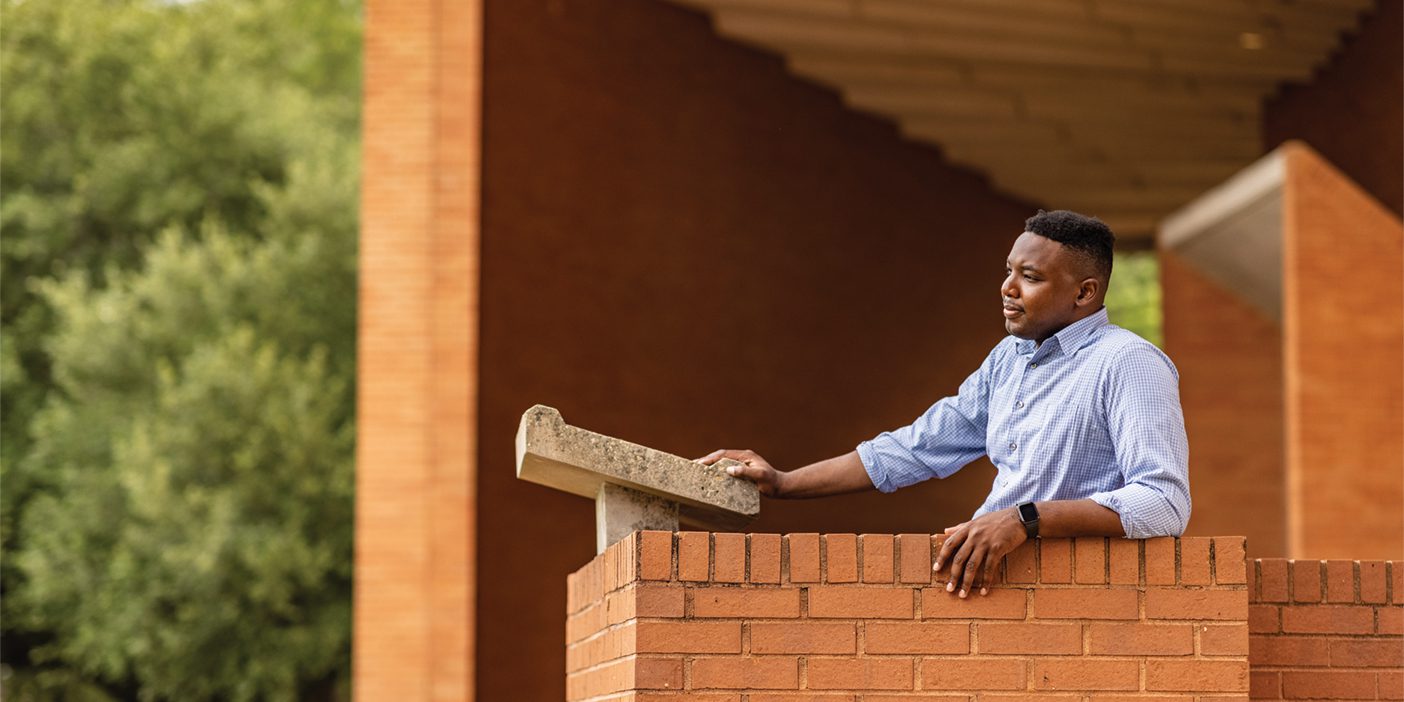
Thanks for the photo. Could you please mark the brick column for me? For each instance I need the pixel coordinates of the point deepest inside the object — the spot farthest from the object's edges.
(417, 352)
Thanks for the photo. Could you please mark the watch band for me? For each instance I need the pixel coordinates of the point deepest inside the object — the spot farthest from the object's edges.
(1028, 516)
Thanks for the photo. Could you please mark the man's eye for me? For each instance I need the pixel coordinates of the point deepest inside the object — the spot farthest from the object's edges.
(1030, 278)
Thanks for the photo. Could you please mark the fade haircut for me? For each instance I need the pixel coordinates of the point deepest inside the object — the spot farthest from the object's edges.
(1088, 237)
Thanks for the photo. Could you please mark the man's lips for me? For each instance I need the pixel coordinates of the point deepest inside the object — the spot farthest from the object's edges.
(1012, 311)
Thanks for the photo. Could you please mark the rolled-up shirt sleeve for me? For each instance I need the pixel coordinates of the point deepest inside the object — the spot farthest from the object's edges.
(1141, 395)
(949, 435)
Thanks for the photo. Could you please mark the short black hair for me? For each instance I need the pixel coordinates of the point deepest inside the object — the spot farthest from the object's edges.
(1088, 236)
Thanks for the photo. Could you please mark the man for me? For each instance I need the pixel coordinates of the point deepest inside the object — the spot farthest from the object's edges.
(1081, 418)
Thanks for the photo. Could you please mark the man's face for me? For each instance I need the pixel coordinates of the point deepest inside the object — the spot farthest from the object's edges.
(1041, 285)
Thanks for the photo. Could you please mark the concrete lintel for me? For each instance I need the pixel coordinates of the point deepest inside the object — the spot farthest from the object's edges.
(555, 454)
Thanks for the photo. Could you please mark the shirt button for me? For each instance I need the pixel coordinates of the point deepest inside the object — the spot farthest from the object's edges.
(1033, 365)
(1019, 404)
(1013, 446)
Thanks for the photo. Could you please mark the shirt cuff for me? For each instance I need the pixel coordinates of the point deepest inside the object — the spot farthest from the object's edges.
(868, 455)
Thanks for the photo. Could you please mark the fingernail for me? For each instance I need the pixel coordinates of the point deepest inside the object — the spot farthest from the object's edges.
(731, 470)
(962, 594)
(984, 591)
(937, 566)
(950, 587)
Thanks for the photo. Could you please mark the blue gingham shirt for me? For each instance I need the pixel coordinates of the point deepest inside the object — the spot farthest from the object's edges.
(1093, 412)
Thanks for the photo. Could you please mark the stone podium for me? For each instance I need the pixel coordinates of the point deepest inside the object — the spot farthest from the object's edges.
(634, 487)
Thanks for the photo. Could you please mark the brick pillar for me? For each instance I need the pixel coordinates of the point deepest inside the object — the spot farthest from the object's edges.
(1343, 355)
(417, 353)
(715, 616)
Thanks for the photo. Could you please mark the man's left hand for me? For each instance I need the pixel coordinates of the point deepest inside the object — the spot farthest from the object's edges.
(973, 549)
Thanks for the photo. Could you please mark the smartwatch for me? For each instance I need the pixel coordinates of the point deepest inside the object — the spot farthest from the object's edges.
(1028, 515)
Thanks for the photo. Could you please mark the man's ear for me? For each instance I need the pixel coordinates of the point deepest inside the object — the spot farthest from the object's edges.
(1087, 291)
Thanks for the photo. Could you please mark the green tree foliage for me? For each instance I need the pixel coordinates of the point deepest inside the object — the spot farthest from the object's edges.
(179, 327)
(1133, 299)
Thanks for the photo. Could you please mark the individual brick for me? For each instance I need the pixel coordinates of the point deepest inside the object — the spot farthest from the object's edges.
(1140, 639)
(877, 557)
(1223, 639)
(1125, 557)
(1328, 619)
(651, 600)
(1031, 639)
(972, 674)
(1328, 684)
(841, 558)
(729, 558)
(1264, 685)
(765, 558)
(1229, 564)
(916, 638)
(1055, 560)
(804, 637)
(1367, 653)
(687, 637)
(1289, 650)
(1372, 582)
(804, 557)
(1090, 560)
(1272, 580)
(1306, 580)
(1021, 565)
(1391, 685)
(1194, 560)
(780, 697)
(1078, 674)
(1196, 675)
(655, 555)
(697, 697)
(859, 674)
(658, 673)
(1076, 604)
(694, 556)
(1160, 561)
(847, 602)
(1340, 581)
(765, 673)
(916, 558)
(1168, 603)
(1001, 603)
(1264, 619)
(738, 602)
(1391, 620)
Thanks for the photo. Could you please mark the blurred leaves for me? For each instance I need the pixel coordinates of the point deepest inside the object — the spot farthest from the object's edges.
(1133, 298)
(178, 309)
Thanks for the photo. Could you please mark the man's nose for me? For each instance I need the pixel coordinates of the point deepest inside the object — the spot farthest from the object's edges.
(1008, 288)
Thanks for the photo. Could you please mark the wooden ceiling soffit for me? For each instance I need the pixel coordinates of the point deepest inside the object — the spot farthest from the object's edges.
(1125, 109)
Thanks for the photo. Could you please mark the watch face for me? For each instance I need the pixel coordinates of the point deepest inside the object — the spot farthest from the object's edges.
(1027, 512)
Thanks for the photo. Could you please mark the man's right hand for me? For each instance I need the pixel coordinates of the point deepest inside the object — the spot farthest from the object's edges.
(753, 468)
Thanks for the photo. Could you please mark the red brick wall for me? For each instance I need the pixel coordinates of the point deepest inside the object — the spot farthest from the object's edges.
(1326, 630)
(1352, 111)
(686, 246)
(664, 616)
(1343, 338)
(1230, 360)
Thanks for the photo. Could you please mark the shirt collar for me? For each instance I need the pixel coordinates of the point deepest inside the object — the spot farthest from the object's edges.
(1073, 336)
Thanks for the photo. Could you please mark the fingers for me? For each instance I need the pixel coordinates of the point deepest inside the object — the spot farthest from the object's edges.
(949, 546)
(987, 574)
(742, 455)
(958, 563)
(951, 529)
(973, 566)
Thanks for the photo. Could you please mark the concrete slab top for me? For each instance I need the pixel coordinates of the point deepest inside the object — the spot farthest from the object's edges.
(555, 454)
